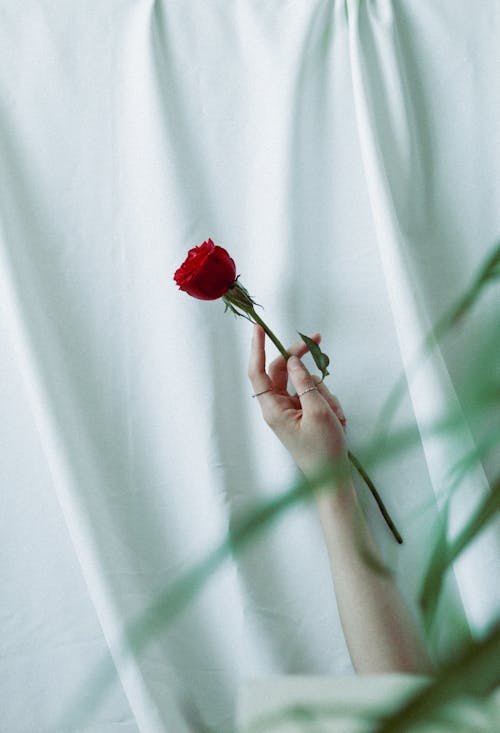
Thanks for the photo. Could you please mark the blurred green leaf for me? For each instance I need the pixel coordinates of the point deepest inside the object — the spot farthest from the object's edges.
(308, 715)
(489, 271)
(474, 673)
(434, 577)
(444, 555)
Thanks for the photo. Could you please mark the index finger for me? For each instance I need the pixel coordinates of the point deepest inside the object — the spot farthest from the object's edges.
(260, 380)
(257, 364)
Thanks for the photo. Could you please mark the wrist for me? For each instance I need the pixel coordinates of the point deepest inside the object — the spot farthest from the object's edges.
(336, 496)
(344, 526)
(330, 477)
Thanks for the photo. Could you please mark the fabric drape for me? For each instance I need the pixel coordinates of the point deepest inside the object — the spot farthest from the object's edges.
(346, 154)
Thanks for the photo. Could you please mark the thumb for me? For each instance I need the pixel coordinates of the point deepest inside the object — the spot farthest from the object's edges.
(302, 380)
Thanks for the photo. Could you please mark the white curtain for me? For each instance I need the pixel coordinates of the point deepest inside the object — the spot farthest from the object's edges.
(347, 154)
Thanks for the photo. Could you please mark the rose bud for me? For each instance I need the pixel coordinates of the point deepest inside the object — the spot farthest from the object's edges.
(207, 273)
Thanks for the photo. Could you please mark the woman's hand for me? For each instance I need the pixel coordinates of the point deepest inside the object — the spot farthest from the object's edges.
(309, 426)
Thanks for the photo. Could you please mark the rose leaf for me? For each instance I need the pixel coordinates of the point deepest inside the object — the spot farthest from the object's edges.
(320, 358)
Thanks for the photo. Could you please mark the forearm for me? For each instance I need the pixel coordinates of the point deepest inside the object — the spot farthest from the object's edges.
(380, 631)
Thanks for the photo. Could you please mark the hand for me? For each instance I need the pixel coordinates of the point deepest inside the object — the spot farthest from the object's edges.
(310, 426)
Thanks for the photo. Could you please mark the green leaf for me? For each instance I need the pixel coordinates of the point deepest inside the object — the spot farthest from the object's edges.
(489, 271)
(444, 556)
(474, 673)
(434, 577)
(320, 359)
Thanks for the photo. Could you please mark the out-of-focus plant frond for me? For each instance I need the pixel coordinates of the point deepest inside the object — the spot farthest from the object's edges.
(457, 473)
(444, 555)
(489, 271)
(425, 711)
(307, 715)
(474, 673)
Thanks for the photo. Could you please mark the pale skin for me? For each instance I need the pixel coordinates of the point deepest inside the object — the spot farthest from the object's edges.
(381, 633)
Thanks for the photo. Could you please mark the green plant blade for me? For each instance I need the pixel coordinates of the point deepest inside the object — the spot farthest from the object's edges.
(443, 555)
(474, 673)
(489, 271)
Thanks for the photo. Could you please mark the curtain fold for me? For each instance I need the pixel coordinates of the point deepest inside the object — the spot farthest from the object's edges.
(396, 171)
(81, 490)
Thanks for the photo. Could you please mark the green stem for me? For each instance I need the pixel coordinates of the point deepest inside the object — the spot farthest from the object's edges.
(376, 496)
(271, 335)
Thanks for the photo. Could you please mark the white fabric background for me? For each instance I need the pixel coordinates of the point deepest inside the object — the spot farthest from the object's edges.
(347, 155)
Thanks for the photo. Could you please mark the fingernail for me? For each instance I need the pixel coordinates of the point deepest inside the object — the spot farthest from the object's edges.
(293, 362)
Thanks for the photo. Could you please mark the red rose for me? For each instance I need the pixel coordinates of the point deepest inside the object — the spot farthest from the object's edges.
(207, 273)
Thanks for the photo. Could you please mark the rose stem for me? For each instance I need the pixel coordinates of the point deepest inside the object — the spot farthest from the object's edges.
(376, 496)
(271, 335)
